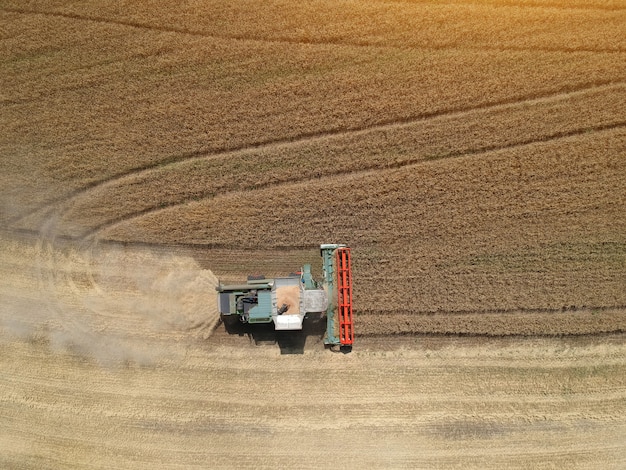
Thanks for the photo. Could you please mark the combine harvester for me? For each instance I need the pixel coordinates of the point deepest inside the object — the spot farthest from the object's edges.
(286, 300)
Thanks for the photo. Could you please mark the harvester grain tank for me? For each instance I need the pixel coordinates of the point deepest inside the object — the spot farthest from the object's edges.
(285, 301)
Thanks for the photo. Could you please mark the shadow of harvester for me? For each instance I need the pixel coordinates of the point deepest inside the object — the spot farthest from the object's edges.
(289, 342)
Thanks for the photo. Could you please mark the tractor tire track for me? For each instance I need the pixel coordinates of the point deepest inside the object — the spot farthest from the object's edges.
(311, 137)
(496, 323)
(95, 231)
(483, 324)
(514, 4)
(501, 311)
(308, 42)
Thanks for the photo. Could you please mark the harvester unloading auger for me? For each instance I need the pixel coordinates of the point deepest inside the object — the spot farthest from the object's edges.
(286, 300)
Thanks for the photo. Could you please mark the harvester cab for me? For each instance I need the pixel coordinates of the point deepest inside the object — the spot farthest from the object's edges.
(285, 301)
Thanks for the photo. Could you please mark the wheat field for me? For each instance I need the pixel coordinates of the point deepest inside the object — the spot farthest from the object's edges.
(471, 152)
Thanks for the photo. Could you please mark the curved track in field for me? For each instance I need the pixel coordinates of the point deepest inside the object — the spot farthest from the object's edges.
(515, 105)
(95, 231)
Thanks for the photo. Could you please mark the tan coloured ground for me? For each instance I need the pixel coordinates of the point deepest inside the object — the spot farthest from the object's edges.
(472, 153)
(534, 404)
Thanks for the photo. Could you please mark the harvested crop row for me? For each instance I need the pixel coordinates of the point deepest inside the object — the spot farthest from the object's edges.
(544, 402)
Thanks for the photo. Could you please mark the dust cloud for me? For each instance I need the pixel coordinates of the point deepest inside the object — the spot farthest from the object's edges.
(109, 302)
